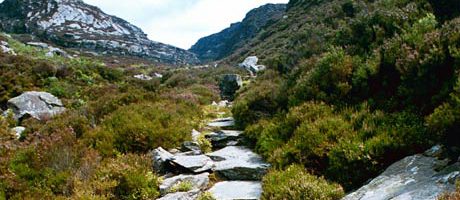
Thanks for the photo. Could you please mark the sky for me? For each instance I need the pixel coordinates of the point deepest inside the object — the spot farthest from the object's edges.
(180, 22)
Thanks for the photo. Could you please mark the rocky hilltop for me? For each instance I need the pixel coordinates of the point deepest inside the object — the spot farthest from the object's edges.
(74, 24)
(222, 44)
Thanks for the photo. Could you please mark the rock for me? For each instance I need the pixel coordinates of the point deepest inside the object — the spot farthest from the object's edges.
(435, 151)
(229, 190)
(229, 84)
(38, 44)
(160, 159)
(222, 122)
(158, 75)
(224, 104)
(39, 105)
(57, 51)
(5, 48)
(199, 181)
(195, 135)
(143, 77)
(18, 131)
(238, 163)
(190, 146)
(195, 163)
(413, 178)
(191, 195)
(250, 64)
(222, 138)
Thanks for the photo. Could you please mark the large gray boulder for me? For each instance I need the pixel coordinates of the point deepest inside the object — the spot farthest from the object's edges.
(238, 163)
(413, 178)
(229, 84)
(39, 105)
(199, 181)
(250, 64)
(230, 190)
(194, 163)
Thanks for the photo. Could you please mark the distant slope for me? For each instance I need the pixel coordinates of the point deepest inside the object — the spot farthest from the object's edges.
(74, 24)
(219, 45)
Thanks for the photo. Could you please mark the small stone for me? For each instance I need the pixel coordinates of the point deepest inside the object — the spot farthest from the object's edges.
(143, 77)
(190, 146)
(435, 151)
(220, 139)
(222, 122)
(18, 131)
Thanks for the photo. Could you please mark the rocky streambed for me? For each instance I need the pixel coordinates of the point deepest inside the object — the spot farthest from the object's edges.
(230, 171)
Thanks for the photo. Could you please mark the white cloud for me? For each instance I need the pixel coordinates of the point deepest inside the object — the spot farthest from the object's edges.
(180, 22)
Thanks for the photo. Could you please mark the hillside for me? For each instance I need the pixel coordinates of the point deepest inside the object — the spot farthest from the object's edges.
(352, 85)
(222, 44)
(76, 25)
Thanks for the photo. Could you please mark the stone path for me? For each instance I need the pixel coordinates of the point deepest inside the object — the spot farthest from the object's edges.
(186, 173)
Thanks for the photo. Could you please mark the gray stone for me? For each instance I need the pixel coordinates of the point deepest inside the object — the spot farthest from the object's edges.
(229, 84)
(238, 163)
(195, 135)
(250, 64)
(435, 151)
(191, 195)
(413, 178)
(18, 131)
(39, 105)
(199, 181)
(220, 139)
(190, 146)
(230, 190)
(196, 163)
(222, 122)
(160, 159)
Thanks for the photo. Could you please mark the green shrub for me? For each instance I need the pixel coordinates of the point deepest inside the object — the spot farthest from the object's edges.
(297, 184)
(206, 196)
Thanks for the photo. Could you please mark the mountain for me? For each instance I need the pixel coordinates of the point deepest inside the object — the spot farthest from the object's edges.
(219, 45)
(77, 25)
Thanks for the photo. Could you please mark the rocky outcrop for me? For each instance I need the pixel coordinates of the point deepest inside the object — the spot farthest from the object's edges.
(5, 48)
(222, 44)
(51, 51)
(229, 84)
(424, 176)
(74, 24)
(222, 123)
(39, 105)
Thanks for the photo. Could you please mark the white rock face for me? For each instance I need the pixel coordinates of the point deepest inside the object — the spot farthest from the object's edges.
(143, 77)
(250, 64)
(18, 131)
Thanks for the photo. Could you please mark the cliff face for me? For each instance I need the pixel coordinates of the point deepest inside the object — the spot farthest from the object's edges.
(74, 24)
(222, 44)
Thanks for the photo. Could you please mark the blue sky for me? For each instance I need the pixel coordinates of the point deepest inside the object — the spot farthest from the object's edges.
(180, 22)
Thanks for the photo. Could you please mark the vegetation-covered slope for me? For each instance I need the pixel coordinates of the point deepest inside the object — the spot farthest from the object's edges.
(98, 148)
(353, 84)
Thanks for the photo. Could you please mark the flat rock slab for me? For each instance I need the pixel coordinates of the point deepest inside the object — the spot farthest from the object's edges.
(160, 159)
(222, 138)
(199, 181)
(222, 122)
(241, 190)
(413, 178)
(194, 163)
(192, 195)
(238, 163)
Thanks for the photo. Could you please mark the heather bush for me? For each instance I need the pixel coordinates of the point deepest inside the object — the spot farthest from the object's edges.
(297, 184)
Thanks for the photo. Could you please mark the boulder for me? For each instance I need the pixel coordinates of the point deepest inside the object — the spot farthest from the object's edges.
(160, 159)
(250, 64)
(229, 190)
(39, 105)
(191, 195)
(415, 177)
(223, 138)
(199, 181)
(5, 48)
(194, 163)
(18, 131)
(238, 163)
(222, 122)
(229, 84)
